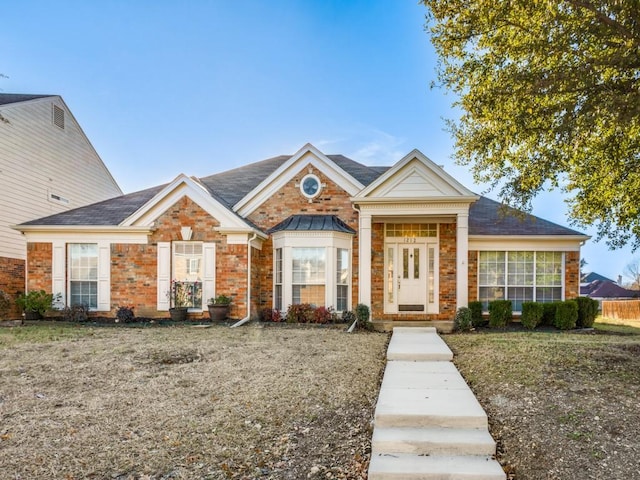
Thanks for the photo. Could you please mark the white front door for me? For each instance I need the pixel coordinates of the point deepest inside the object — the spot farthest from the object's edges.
(412, 278)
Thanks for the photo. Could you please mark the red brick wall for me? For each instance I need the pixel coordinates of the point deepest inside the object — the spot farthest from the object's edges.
(12, 281)
(571, 275)
(447, 276)
(134, 267)
(473, 275)
(39, 266)
(289, 201)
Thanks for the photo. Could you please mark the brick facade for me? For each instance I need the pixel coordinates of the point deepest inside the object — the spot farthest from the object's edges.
(12, 272)
(447, 276)
(571, 275)
(472, 262)
(288, 201)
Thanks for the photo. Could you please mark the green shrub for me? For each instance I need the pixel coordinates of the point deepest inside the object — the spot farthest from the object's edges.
(587, 312)
(362, 315)
(462, 321)
(532, 313)
(566, 315)
(36, 301)
(500, 313)
(549, 313)
(476, 314)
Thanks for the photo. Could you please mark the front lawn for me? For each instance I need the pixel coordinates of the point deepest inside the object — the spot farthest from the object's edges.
(561, 405)
(273, 403)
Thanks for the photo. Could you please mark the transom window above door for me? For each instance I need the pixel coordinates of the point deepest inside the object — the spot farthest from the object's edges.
(411, 230)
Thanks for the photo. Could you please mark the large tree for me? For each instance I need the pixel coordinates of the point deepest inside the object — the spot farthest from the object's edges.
(549, 93)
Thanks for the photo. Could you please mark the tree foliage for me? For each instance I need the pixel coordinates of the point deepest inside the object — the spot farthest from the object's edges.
(550, 97)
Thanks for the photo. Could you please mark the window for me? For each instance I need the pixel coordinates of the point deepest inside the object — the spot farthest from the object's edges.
(312, 268)
(342, 279)
(187, 273)
(83, 274)
(520, 276)
(278, 280)
(412, 230)
(308, 276)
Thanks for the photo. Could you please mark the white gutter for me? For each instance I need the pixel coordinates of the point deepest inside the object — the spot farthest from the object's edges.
(248, 317)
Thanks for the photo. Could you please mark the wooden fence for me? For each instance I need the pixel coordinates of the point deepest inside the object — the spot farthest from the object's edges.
(621, 309)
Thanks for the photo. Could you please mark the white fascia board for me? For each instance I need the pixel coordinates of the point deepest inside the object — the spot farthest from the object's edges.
(288, 170)
(185, 186)
(89, 235)
(551, 243)
(437, 171)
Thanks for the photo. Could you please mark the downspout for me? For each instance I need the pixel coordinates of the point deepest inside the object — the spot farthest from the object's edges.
(353, 325)
(248, 317)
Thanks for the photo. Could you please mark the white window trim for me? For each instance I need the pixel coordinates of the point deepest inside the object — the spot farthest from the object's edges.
(331, 241)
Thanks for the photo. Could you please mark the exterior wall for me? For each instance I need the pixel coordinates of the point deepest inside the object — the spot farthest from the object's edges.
(571, 275)
(289, 201)
(473, 275)
(447, 276)
(12, 275)
(39, 266)
(134, 270)
(37, 158)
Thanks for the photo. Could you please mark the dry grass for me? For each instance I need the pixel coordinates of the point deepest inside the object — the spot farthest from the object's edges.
(252, 402)
(560, 405)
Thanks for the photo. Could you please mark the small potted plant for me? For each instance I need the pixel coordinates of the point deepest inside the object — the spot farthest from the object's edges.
(180, 297)
(35, 303)
(219, 308)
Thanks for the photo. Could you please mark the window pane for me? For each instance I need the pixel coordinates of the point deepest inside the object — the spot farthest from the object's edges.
(313, 294)
(492, 268)
(342, 300)
(308, 265)
(390, 274)
(187, 261)
(517, 295)
(548, 294)
(83, 293)
(520, 268)
(432, 274)
(416, 263)
(549, 269)
(488, 294)
(405, 263)
(83, 274)
(278, 266)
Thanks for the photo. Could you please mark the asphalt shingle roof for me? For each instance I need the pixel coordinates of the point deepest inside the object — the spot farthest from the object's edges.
(7, 98)
(486, 216)
(607, 289)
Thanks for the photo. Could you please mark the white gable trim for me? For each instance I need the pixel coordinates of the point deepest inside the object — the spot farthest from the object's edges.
(417, 165)
(184, 186)
(288, 170)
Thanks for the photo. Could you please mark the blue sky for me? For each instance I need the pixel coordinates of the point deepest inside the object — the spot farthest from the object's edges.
(163, 87)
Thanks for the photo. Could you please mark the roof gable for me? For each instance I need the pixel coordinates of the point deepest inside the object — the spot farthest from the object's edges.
(416, 177)
(180, 187)
(307, 155)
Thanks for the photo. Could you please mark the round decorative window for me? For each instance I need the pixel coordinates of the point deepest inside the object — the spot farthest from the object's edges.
(310, 186)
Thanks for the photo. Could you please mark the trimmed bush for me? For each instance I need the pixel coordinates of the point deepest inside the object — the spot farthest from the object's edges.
(300, 313)
(549, 313)
(462, 321)
(500, 313)
(532, 313)
(362, 314)
(348, 317)
(566, 315)
(587, 312)
(324, 315)
(476, 314)
(76, 313)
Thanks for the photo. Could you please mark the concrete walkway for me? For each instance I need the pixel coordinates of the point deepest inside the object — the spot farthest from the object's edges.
(428, 423)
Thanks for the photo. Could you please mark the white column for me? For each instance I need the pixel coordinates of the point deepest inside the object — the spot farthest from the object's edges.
(364, 258)
(462, 254)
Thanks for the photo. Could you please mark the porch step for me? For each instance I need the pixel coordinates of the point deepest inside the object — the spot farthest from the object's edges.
(434, 374)
(433, 441)
(443, 326)
(426, 407)
(406, 467)
(422, 343)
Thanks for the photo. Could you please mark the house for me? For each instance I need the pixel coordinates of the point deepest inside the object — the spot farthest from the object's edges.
(607, 290)
(47, 166)
(408, 240)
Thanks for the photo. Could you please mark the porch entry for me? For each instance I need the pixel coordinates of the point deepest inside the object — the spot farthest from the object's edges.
(411, 263)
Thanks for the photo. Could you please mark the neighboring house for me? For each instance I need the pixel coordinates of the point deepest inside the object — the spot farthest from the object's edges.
(409, 241)
(47, 165)
(607, 290)
(592, 277)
